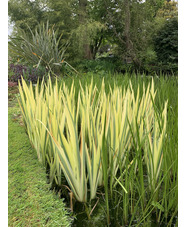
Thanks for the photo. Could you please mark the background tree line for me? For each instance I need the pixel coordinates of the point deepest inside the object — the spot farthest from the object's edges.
(140, 33)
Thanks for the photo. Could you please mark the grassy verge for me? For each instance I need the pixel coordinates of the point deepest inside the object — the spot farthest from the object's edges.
(30, 201)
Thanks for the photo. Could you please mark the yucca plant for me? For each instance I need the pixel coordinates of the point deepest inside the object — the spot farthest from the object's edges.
(41, 47)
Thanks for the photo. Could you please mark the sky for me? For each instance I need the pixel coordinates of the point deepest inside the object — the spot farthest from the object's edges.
(10, 27)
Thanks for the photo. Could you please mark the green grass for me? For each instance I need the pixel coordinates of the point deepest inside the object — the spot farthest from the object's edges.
(30, 200)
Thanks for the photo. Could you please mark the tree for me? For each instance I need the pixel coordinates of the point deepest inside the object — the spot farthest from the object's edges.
(77, 20)
(168, 10)
(72, 18)
(127, 20)
(82, 21)
(26, 12)
(127, 26)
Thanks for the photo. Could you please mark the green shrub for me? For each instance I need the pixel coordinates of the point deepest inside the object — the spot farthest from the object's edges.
(100, 64)
(166, 42)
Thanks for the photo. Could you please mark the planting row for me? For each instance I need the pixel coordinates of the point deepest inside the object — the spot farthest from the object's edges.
(87, 139)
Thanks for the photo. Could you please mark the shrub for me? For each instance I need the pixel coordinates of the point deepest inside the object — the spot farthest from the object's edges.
(101, 64)
(16, 71)
(166, 42)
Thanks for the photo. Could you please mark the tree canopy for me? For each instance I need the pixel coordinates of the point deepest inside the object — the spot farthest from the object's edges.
(126, 28)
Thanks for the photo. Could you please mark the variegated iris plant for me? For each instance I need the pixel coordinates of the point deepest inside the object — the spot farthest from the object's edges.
(68, 134)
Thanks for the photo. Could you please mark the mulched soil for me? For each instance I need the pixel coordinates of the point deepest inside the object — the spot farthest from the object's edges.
(12, 91)
(12, 84)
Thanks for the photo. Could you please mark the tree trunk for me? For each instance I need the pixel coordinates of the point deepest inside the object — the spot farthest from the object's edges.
(130, 52)
(95, 48)
(82, 19)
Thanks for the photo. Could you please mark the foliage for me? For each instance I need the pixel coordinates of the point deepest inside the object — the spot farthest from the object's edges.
(102, 64)
(80, 27)
(139, 205)
(64, 15)
(166, 42)
(26, 12)
(82, 127)
(128, 27)
(16, 71)
(42, 49)
(90, 30)
(115, 137)
(168, 10)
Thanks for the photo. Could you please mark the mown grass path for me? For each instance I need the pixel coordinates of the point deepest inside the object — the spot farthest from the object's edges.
(30, 200)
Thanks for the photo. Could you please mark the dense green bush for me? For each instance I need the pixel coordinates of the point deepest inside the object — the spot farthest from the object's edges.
(107, 64)
(103, 65)
(166, 43)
